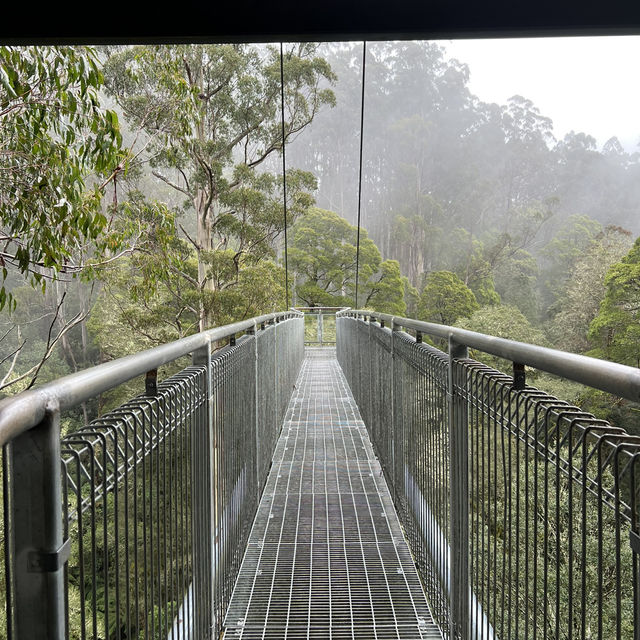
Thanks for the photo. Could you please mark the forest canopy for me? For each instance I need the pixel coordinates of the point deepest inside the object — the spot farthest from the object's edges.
(141, 194)
(145, 196)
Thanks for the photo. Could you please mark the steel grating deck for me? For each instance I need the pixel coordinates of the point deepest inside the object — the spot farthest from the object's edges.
(326, 557)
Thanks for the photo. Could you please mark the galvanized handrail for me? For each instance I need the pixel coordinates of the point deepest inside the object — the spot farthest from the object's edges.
(522, 510)
(618, 379)
(24, 411)
(210, 427)
(320, 309)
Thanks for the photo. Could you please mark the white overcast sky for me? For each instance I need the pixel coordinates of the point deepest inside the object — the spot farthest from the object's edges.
(588, 84)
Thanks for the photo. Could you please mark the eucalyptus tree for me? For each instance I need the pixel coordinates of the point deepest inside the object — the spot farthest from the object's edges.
(502, 321)
(59, 149)
(323, 256)
(329, 147)
(445, 298)
(211, 117)
(584, 289)
(615, 331)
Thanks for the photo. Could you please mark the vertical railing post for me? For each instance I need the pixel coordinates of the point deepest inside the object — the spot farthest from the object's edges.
(276, 377)
(459, 491)
(256, 401)
(320, 327)
(205, 511)
(39, 549)
(370, 370)
(397, 423)
(396, 453)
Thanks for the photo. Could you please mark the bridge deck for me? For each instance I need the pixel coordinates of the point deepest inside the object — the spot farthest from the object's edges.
(327, 557)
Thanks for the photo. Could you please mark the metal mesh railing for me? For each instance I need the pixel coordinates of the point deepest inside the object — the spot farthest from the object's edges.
(520, 509)
(319, 325)
(549, 514)
(134, 505)
(156, 498)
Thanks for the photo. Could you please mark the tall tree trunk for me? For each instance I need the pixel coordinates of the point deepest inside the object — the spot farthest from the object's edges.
(204, 240)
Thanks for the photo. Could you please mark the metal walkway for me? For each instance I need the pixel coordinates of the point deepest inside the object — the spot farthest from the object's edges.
(326, 556)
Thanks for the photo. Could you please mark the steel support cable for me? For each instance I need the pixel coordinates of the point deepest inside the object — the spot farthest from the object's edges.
(284, 178)
(364, 65)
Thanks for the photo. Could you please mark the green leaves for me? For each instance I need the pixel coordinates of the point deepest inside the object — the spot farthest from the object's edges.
(212, 113)
(445, 298)
(616, 329)
(323, 256)
(503, 321)
(386, 290)
(54, 138)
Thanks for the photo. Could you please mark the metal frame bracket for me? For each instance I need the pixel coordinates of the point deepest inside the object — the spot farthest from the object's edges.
(48, 562)
(519, 377)
(634, 541)
(151, 383)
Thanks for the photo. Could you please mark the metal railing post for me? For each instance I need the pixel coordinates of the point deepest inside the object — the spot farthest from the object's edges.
(396, 452)
(370, 370)
(459, 488)
(320, 327)
(205, 498)
(276, 377)
(256, 400)
(40, 552)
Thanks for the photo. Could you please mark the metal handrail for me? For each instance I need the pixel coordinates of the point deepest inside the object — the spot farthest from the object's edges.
(233, 400)
(497, 482)
(321, 309)
(618, 379)
(20, 413)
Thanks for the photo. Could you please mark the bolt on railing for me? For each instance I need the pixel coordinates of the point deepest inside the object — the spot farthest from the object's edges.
(135, 525)
(521, 510)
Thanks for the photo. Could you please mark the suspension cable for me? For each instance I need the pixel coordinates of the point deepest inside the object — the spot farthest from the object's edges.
(364, 65)
(284, 178)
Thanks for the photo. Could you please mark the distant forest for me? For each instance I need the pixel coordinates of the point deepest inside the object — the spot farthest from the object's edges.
(141, 200)
(497, 226)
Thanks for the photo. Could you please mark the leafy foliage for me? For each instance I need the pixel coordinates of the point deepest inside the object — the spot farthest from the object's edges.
(585, 289)
(211, 117)
(323, 256)
(55, 140)
(562, 252)
(503, 321)
(616, 329)
(445, 298)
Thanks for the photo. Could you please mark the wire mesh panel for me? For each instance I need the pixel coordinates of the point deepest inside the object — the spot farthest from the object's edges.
(160, 493)
(320, 326)
(422, 470)
(549, 494)
(234, 460)
(245, 433)
(289, 353)
(269, 419)
(134, 504)
(6, 590)
(409, 434)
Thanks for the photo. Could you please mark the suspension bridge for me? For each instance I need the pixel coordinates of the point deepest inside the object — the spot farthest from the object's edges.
(382, 485)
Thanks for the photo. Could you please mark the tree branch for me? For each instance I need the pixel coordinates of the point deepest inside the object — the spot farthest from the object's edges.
(51, 344)
(190, 239)
(171, 184)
